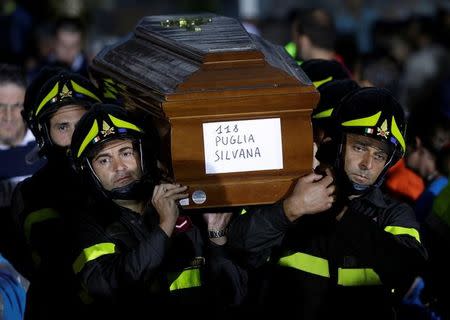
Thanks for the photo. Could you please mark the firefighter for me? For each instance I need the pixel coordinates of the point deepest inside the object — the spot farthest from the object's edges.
(356, 260)
(54, 102)
(137, 254)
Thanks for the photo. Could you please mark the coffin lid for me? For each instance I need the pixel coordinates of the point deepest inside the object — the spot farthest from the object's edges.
(164, 51)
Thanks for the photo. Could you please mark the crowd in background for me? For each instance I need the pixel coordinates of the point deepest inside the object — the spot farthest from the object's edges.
(409, 57)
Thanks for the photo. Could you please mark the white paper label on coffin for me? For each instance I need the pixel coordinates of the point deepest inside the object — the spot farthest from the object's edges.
(244, 145)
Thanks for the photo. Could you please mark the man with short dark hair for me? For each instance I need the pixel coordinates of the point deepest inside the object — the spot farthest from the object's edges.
(68, 48)
(136, 253)
(357, 260)
(69, 43)
(54, 103)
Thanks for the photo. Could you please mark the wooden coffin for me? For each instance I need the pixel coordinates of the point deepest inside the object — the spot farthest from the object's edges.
(232, 110)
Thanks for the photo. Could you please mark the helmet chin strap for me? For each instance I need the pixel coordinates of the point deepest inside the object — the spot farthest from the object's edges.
(355, 189)
(57, 154)
(136, 190)
(140, 189)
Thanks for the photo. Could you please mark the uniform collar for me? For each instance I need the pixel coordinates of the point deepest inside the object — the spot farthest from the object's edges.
(374, 196)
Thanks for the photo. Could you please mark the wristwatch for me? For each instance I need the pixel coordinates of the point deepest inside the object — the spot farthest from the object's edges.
(217, 233)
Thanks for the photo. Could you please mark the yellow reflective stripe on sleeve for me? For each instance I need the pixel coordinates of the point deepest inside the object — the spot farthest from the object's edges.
(397, 134)
(324, 114)
(91, 135)
(123, 124)
(396, 231)
(306, 263)
(84, 91)
(38, 216)
(188, 278)
(93, 253)
(47, 98)
(363, 122)
(358, 277)
(243, 211)
(318, 83)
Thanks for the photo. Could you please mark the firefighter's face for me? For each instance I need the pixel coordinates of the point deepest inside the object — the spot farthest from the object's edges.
(117, 164)
(62, 124)
(365, 158)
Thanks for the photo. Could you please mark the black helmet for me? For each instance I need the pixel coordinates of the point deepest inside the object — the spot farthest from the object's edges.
(321, 71)
(331, 93)
(371, 112)
(52, 89)
(107, 122)
(374, 112)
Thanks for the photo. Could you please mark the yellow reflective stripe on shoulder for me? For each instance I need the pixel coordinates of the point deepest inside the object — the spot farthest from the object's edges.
(396, 231)
(306, 263)
(318, 83)
(92, 253)
(358, 277)
(397, 134)
(324, 114)
(47, 98)
(363, 122)
(243, 211)
(123, 124)
(188, 278)
(84, 91)
(38, 216)
(91, 135)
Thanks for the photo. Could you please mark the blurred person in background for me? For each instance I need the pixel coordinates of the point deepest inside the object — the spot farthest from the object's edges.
(67, 49)
(314, 34)
(427, 137)
(13, 288)
(16, 141)
(16, 144)
(15, 32)
(437, 232)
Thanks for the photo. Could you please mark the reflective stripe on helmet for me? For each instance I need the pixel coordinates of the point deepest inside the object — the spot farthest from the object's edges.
(41, 215)
(358, 277)
(123, 124)
(397, 134)
(91, 135)
(53, 93)
(307, 263)
(396, 231)
(370, 121)
(92, 253)
(324, 114)
(318, 83)
(188, 278)
(84, 91)
(291, 48)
